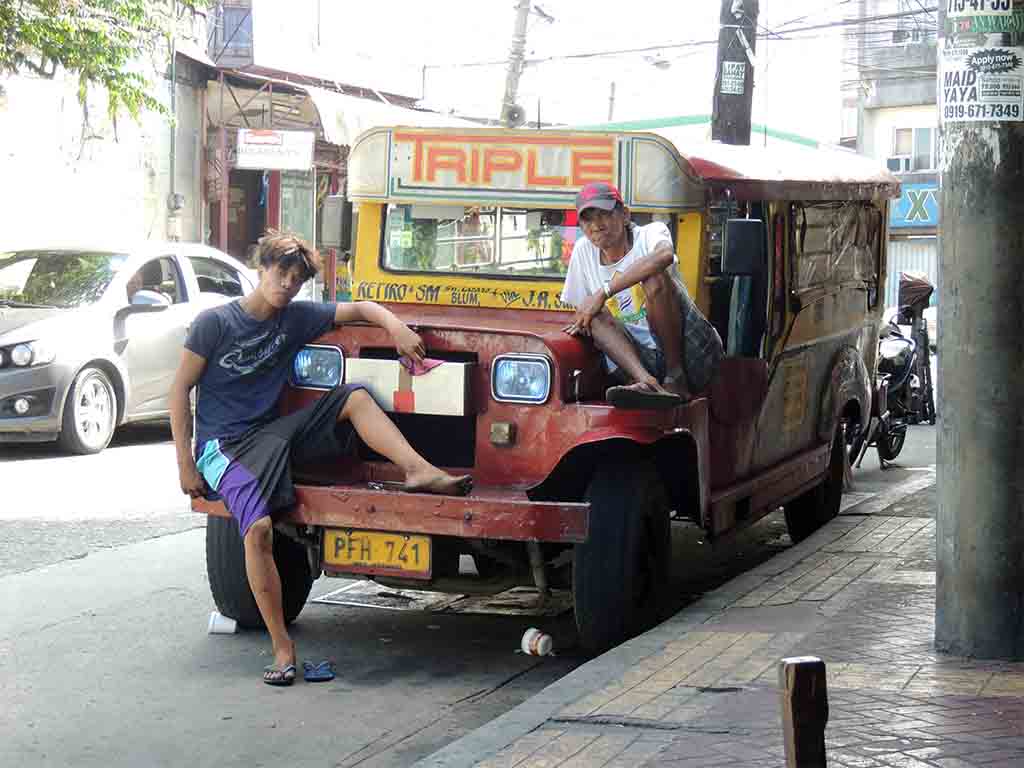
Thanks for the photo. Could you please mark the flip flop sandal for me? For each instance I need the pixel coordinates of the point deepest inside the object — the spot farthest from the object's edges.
(639, 399)
(281, 676)
(318, 673)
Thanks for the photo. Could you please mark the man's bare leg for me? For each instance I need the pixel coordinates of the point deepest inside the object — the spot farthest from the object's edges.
(381, 434)
(612, 339)
(665, 317)
(265, 582)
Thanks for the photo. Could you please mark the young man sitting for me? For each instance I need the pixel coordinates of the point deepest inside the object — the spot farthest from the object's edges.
(629, 298)
(239, 355)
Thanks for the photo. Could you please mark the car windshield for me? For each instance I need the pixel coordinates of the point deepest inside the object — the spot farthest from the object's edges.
(508, 242)
(62, 278)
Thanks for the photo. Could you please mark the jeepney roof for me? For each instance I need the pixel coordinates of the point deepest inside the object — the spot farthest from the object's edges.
(546, 168)
(791, 172)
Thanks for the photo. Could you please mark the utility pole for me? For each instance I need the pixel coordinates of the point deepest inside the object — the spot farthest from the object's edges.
(979, 609)
(611, 102)
(734, 76)
(513, 115)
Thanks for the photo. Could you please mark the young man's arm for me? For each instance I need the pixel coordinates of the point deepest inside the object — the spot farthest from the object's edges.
(661, 257)
(190, 369)
(407, 341)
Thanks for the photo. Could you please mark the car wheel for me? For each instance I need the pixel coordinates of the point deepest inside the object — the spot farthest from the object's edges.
(621, 575)
(90, 413)
(808, 512)
(229, 583)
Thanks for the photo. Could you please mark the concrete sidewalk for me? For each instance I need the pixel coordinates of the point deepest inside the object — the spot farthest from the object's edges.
(700, 689)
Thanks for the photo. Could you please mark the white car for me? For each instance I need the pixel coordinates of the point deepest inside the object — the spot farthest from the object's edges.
(90, 337)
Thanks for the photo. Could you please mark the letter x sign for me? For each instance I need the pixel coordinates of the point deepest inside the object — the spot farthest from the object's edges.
(918, 199)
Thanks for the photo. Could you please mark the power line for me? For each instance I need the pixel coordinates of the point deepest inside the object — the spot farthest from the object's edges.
(690, 44)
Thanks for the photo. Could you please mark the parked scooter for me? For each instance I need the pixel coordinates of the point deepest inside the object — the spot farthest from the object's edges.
(904, 394)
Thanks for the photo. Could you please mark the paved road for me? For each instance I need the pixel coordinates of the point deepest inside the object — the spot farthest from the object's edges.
(107, 662)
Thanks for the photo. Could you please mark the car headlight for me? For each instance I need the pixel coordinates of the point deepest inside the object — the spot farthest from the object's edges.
(521, 379)
(31, 353)
(318, 367)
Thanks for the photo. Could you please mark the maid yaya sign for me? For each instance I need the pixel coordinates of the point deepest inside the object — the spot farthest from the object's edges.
(918, 206)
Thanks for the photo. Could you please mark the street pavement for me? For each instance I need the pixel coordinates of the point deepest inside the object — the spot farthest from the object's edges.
(702, 688)
(106, 660)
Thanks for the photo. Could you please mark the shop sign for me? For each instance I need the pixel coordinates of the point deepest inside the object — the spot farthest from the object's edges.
(265, 150)
(918, 206)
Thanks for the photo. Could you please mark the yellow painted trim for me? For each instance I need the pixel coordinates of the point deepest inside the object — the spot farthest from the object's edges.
(371, 282)
(689, 249)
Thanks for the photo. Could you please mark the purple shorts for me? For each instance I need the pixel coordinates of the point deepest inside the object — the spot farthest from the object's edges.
(253, 473)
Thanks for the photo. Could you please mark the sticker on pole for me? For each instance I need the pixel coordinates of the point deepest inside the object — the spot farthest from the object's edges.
(958, 8)
(734, 78)
(980, 84)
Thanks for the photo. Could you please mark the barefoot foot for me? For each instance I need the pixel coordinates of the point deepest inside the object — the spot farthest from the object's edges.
(433, 480)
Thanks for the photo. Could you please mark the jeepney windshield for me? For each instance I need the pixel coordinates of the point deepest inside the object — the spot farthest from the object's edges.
(483, 240)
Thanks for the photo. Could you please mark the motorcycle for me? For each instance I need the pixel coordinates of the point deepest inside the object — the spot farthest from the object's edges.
(904, 394)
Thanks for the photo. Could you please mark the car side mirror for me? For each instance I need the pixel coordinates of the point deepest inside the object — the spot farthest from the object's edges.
(745, 250)
(152, 301)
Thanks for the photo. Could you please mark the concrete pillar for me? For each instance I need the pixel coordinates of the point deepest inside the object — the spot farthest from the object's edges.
(980, 521)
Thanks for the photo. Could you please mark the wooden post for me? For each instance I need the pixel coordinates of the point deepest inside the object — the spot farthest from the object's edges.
(734, 78)
(804, 710)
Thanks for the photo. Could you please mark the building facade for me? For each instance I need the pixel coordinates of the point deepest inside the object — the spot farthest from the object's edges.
(890, 113)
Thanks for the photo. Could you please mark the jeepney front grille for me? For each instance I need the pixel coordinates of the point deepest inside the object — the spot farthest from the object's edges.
(445, 441)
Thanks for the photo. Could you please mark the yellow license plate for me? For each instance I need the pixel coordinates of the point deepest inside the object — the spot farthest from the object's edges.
(374, 552)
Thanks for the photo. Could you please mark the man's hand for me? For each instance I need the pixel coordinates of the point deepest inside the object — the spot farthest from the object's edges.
(408, 342)
(585, 314)
(192, 483)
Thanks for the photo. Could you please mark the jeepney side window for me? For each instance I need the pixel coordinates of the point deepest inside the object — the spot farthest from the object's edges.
(836, 243)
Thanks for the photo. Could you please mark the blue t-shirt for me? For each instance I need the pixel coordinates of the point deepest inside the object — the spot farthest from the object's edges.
(247, 362)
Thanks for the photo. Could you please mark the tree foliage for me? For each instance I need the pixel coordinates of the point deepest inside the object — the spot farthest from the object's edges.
(101, 42)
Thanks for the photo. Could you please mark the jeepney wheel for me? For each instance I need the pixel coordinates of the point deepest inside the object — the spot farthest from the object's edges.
(621, 575)
(812, 509)
(229, 584)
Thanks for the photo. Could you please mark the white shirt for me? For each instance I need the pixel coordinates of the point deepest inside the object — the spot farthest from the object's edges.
(587, 275)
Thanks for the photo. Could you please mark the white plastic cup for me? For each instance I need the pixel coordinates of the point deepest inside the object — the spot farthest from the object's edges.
(536, 643)
(221, 625)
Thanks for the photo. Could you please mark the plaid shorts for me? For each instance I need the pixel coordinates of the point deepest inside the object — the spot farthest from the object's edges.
(702, 349)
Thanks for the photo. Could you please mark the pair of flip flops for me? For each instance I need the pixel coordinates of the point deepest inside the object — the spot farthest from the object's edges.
(284, 676)
(642, 399)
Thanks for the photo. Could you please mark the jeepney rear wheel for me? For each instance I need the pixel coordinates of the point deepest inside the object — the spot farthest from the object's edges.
(808, 512)
(229, 584)
(621, 576)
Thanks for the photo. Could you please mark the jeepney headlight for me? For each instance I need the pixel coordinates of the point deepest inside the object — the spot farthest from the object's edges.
(318, 367)
(521, 379)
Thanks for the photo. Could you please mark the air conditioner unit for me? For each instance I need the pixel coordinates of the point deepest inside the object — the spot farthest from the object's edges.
(899, 164)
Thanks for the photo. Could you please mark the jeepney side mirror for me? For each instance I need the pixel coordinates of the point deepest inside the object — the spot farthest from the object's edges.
(745, 251)
(336, 225)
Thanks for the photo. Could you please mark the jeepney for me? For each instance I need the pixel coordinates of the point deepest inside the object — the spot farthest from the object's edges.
(466, 235)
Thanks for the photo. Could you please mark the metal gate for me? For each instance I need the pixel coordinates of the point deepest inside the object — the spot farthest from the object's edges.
(918, 254)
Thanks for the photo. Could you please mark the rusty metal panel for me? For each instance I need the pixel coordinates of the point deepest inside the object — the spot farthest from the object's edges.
(489, 513)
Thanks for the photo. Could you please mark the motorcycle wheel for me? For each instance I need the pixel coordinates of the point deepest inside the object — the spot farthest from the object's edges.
(890, 443)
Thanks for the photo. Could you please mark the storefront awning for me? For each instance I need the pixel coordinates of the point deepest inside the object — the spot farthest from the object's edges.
(302, 107)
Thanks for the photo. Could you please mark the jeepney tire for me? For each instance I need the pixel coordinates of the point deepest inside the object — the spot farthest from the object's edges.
(229, 584)
(621, 577)
(808, 512)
